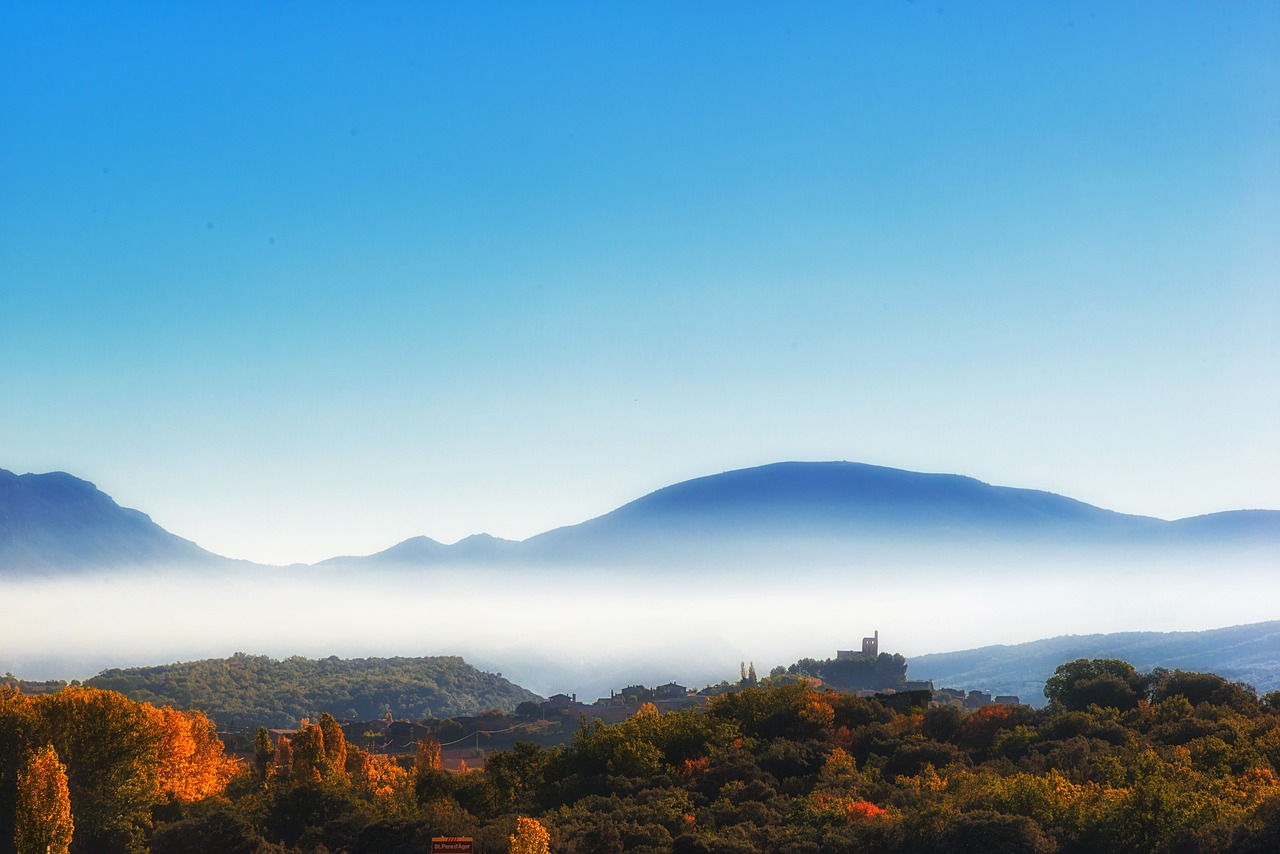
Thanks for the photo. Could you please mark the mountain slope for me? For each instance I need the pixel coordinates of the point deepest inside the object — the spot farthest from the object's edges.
(56, 521)
(1249, 653)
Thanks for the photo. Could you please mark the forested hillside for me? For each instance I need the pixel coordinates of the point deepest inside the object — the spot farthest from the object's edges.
(254, 690)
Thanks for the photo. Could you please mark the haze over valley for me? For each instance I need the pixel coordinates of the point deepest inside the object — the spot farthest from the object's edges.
(771, 564)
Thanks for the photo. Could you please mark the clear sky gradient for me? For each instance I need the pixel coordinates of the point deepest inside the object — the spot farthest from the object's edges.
(305, 279)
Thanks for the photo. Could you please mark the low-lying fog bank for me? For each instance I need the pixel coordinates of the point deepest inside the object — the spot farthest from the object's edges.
(583, 633)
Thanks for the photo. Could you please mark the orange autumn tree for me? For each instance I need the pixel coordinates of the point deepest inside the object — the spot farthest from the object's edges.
(381, 776)
(384, 783)
(428, 758)
(530, 837)
(42, 820)
(429, 779)
(284, 755)
(192, 761)
(335, 746)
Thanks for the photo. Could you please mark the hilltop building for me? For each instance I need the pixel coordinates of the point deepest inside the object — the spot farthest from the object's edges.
(870, 647)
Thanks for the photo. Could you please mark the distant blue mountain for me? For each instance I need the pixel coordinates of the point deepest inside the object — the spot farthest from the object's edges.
(1235, 526)
(56, 522)
(840, 501)
(477, 548)
(825, 512)
(793, 512)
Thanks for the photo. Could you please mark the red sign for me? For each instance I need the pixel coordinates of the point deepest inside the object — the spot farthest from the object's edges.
(451, 845)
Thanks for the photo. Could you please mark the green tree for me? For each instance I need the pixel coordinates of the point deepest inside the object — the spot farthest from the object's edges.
(1270, 701)
(1206, 688)
(307, 747)
(518, 771)
(17, 724)
(112, 750)
(264, 753)
(1101, 681)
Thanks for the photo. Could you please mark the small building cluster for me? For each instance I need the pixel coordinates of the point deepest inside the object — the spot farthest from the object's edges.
(621, 704)
(973, 699)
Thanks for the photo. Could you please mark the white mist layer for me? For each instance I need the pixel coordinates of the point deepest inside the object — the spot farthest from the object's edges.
(586, 634)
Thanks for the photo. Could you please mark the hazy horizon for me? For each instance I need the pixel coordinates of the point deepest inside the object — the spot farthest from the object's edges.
(554, 631)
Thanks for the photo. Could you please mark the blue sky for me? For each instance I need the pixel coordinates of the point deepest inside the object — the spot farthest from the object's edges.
(307, 279)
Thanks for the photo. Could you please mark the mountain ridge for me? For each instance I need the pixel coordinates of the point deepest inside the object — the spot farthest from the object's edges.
(59, 521)
(786, 511)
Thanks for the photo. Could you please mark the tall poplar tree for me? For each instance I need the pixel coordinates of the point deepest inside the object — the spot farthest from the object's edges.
(335, 746)
(42, 823)
(264, 754)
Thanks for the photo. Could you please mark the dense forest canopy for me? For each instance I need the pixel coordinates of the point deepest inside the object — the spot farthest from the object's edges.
(254, 690)
(1119, 761)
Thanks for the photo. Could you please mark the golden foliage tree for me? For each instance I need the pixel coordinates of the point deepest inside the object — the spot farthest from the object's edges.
(530, 837)
(192, 762)
(284, 754)
(335, 746)
(839, 772)
(42, 822)
(381, 776)
(428, 758)
(817, 714)
(647, 710)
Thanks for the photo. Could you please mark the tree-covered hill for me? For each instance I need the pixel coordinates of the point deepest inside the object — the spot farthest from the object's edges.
(254, 690)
